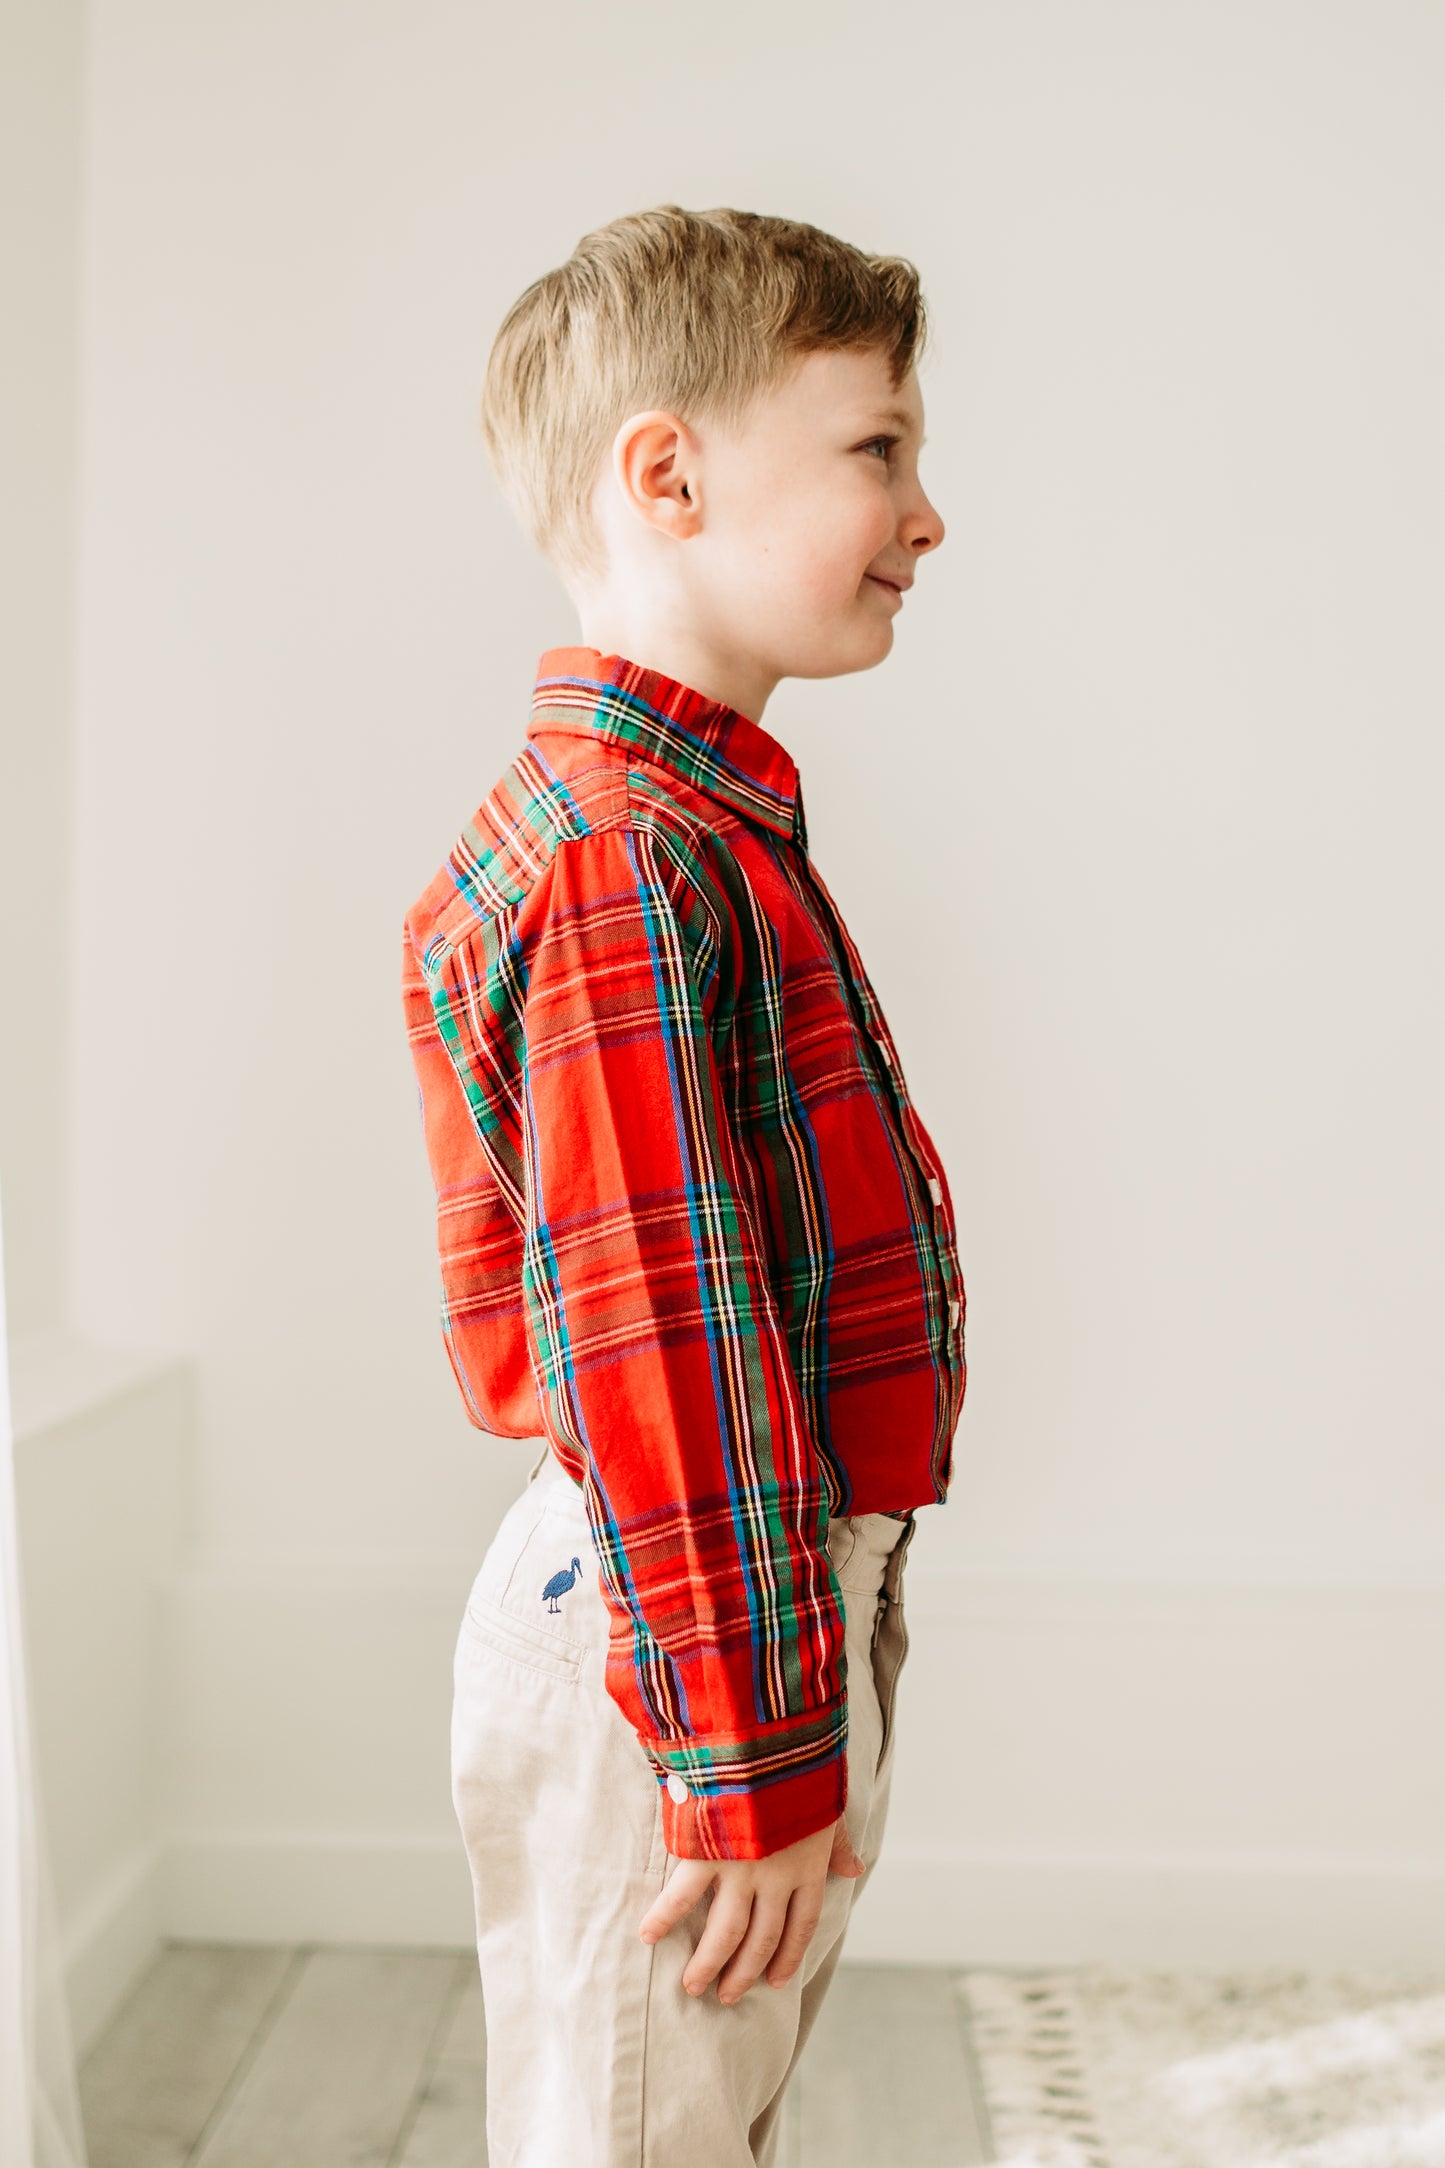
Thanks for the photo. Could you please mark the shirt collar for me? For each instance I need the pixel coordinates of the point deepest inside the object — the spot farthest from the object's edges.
(710, 745)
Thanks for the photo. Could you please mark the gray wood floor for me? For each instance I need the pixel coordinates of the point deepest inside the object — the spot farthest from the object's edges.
(239, 2056)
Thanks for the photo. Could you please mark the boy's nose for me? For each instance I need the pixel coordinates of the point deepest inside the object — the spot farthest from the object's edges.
(922, 529)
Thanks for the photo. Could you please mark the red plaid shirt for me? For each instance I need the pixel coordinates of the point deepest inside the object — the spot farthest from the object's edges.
(691, 1228)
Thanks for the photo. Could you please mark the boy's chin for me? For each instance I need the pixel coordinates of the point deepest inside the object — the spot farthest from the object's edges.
(863, 647)
(875, 638)
(845, 647)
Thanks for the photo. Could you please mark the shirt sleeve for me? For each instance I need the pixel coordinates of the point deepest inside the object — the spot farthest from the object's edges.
(664, 1373)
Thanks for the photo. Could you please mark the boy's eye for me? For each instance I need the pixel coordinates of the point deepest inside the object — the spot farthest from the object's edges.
(886, 442)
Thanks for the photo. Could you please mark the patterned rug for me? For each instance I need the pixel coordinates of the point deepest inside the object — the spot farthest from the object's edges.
(1104, 2067)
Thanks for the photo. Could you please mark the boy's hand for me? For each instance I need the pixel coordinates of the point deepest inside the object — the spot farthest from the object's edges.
(764, 1908)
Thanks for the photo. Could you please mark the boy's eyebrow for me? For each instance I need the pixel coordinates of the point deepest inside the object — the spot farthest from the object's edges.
(897, 416)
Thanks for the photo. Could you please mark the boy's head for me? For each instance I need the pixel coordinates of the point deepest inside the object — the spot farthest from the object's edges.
(709, 421)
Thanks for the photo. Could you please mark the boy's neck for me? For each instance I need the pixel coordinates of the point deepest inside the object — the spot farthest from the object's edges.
(727, 674)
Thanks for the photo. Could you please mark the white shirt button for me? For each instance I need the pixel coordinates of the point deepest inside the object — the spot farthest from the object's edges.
(676, 1789)
(953, 1310)
(935, 1189)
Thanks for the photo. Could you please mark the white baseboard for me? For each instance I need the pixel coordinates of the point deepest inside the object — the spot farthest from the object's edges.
(917, 1909)
(403, 1891)
(1210, 1915)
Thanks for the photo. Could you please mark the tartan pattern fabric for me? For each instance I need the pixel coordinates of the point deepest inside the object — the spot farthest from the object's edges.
(691, 1229)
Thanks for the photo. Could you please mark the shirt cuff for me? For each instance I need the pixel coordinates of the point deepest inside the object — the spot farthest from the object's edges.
(745, 1797)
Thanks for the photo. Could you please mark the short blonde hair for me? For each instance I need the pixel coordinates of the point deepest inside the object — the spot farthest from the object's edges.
(699, 312)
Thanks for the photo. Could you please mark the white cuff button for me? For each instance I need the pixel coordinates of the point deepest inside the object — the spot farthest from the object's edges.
(676, 1789)
(935, 1189)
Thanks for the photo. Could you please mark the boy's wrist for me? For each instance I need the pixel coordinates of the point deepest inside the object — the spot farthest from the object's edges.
(742, 1824)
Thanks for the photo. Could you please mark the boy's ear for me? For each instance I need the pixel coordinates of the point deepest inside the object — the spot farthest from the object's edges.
(655, 464)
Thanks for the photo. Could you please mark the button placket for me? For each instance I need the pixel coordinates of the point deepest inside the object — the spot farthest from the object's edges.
(865, 1008)
(948, 1277)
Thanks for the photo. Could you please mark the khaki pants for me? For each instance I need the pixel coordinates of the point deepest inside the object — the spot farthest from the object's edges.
(597, 2056)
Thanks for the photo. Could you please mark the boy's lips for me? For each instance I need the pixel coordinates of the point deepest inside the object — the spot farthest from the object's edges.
(894, 587)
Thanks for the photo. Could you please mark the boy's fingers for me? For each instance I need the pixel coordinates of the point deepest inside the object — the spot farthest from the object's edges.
(804, 1913)
(682, 1892)
(727, 1923)
(754, 1951)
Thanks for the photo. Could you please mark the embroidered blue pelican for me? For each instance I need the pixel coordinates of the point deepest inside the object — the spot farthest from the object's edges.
(560, 1583)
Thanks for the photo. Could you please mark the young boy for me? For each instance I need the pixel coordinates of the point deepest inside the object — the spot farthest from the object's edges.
(692, 1232)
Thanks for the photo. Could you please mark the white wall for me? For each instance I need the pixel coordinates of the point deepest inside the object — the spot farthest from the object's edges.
(1155, 909)
(40, 176)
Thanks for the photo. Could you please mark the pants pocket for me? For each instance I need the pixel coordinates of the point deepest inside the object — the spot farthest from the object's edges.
(550, 1784)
